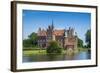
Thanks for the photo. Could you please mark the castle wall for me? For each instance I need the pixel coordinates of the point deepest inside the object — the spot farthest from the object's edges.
(66, 40)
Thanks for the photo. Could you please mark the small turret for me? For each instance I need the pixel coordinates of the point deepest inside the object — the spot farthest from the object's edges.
(75, 34)
(65, 33)
(39, 29)
(70, 32)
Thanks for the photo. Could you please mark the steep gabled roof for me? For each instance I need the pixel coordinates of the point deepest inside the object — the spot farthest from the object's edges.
(58, 32)
(55, 32)
(42, 33)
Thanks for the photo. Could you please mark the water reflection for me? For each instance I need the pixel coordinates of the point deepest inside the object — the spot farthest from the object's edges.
(57, 57)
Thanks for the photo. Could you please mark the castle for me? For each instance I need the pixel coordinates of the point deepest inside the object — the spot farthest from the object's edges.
(65, 38)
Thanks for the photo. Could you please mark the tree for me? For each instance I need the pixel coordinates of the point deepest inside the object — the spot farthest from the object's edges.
(54, 48)
(88, 38)
(33, 37)
(27, 43)
(80, 42)
(31, 41)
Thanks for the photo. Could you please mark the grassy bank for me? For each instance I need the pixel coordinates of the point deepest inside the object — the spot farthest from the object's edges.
(31, 52)
(27, 52)
(83, 49)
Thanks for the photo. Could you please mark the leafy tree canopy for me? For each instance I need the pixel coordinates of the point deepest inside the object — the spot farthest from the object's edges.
(80, 42)
(31, 41)
(27, 43)
(54, 47)
(33, 36)
(88, 38)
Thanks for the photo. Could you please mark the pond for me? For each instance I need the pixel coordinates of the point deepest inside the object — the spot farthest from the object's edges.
(60, 57)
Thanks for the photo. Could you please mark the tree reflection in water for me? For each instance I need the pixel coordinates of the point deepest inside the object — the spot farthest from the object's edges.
(57, 57)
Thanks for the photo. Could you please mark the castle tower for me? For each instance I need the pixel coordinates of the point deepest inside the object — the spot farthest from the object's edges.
(50, 32)
(65, 33)
(52, 26)
(39, 30)
(70, 40)
(76, 40)
(65, 38)
(70, 32)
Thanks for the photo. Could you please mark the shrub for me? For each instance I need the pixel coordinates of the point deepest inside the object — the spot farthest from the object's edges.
(54, 48)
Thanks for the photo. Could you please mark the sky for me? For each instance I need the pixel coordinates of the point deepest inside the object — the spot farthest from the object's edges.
(33, 19)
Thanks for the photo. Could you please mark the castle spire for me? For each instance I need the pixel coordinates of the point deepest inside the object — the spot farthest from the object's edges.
(52, 25)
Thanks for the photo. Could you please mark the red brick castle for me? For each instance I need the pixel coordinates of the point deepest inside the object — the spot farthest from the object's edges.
(65, 38)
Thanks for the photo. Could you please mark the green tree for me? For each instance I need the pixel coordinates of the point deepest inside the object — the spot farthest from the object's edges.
(88, 38)
(31, 41)
(27, 43)
(33, 37)
(80, 42)
(54, 48)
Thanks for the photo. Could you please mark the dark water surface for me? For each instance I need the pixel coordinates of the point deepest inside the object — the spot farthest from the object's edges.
(39, 58)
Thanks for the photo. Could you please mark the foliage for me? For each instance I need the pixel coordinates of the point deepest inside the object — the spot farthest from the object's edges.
(33, 37)
(27, 43)
(80, 42)
(88, 38)
(31, 41)
(54, 47)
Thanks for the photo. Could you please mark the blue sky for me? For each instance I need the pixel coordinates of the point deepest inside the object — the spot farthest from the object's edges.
(33, 19)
